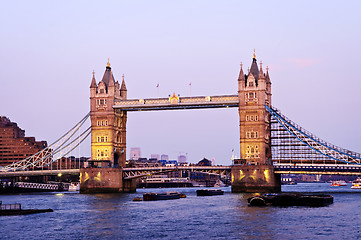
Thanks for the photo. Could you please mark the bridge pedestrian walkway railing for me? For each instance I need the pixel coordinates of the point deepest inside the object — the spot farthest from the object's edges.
(176, 102)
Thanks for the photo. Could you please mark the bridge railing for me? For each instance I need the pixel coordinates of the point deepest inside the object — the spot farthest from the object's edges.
(178, 100)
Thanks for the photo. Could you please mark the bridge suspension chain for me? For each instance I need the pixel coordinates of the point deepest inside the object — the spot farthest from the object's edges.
(57, 150)
(297, 141)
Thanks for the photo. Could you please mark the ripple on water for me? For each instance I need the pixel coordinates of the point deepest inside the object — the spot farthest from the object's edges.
(116, 216)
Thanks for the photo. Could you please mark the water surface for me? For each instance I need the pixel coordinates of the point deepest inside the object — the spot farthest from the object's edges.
(116, 216)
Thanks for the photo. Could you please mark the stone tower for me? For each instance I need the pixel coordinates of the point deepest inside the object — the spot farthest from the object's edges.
(254, 92)
(254, 172)
(108, 138)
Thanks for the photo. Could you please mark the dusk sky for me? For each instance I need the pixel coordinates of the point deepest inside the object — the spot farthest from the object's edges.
(49, 49)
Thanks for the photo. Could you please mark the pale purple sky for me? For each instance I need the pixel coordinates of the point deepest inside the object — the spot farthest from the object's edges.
(49, 49)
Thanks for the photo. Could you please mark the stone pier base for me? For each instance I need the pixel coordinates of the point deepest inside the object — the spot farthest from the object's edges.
(255, 178)
(104, 180)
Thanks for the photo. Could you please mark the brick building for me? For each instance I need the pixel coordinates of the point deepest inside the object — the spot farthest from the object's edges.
(14, 146)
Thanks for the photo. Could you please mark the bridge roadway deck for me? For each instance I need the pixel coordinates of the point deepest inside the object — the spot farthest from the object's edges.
(39, 173)
(323, 169)
(177, 103)
(129, 173)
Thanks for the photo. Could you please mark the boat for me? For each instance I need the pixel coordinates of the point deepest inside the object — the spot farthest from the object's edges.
(291, 199)
(182, 195)
(339, 183)
(209, 192)
(219, 183)
(160, 196)
(356, 184)
(15, 209)
(163, 181)
(73, 187)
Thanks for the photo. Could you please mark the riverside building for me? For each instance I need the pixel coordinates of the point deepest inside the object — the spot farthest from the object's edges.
(14, 146)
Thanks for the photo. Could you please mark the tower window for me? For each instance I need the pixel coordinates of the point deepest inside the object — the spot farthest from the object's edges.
(102, 139)
(252, 151)
(101, 101)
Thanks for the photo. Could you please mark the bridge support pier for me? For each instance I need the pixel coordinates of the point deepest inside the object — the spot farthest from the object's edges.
(255, 178)
(104, 180)
(129, 185)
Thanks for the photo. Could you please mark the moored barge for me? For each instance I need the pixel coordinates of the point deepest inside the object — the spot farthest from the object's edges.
(291, 199)
(15, 209)
(209, 192)
(161, 196)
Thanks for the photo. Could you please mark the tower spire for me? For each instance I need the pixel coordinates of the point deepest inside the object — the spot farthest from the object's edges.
(93, 83)
(254, 68)
(260, 74)
(123, 89)
(241, 74)
(108, 64)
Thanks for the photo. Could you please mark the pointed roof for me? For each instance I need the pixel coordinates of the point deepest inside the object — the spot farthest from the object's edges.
(241, 74)
(254, 68)
(108, 78)
(123, 87)
(261, 74)
(94, 83)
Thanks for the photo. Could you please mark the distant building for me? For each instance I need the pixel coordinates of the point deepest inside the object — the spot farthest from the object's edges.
(204, 162)
(14, 146)
(164, 157)
(155, 156)
(144, 162)
(172, 162)
(135, 153)
(182, 158)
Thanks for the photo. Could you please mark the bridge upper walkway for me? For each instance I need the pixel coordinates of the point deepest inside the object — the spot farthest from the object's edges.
(175, 102)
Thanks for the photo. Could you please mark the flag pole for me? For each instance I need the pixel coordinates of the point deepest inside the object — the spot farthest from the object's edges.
(190, 89)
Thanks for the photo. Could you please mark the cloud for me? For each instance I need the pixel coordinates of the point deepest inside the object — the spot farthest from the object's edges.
(302, 62)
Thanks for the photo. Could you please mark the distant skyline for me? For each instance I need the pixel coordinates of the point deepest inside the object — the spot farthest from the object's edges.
(49, 49)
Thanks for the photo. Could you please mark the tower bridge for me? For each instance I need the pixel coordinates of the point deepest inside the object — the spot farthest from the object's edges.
(270, 143)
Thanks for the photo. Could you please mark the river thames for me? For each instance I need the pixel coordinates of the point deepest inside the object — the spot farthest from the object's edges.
(116, 216)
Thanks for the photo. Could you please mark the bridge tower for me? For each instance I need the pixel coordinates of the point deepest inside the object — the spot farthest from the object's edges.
(108, 138)
(254, 172)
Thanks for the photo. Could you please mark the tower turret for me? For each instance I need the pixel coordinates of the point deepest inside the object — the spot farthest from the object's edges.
(93, 83)
(93, 86)
(123, 90)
